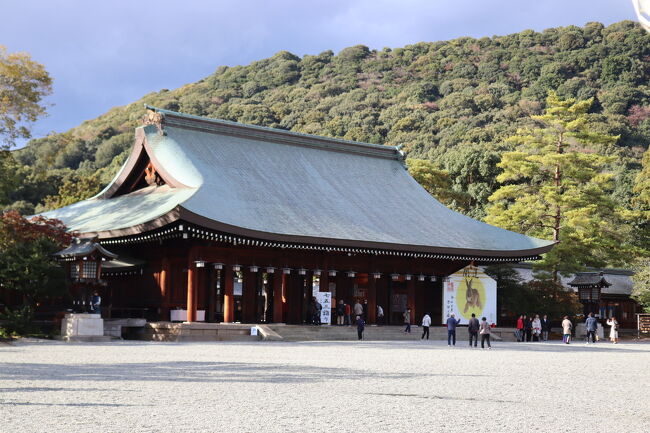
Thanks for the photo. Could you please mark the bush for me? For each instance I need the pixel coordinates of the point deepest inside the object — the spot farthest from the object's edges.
(17, 322)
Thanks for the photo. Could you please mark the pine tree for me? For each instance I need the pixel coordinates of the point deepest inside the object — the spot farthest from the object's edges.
(555, 185)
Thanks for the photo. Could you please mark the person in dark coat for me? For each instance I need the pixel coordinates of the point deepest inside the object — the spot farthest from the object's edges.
(365, 309)
(546, 327)
(528, 328)
(317, 312)
(361, 326)
(472, 328)
(452, 322)
(592, 326)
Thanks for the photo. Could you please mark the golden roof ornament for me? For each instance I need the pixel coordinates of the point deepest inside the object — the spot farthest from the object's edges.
(154, 118)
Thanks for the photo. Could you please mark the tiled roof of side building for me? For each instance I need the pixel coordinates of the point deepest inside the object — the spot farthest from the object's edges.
(279, 185)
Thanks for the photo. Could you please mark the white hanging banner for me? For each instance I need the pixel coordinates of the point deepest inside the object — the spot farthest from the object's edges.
(468, 291)
(325, 300)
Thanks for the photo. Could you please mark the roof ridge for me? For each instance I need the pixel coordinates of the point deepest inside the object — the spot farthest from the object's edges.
(245, 129)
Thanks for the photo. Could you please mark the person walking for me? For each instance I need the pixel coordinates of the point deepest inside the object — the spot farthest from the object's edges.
(592, 326)
(546, 327)
(451, 329)
(426, 322)
(407, 321)
(311, 311)
(528, 328)
(348, 313)
(361, 326)
(485, 330)
(473, 328)
(537, 328)
(340, 312)
(380, 315)
(613, 332)
(520, 328)
(566, 330)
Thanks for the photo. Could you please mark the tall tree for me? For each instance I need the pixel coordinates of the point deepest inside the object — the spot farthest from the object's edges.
(555, 185)
(23, 85)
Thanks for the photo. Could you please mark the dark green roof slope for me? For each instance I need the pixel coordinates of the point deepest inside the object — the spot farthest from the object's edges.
(280, 185)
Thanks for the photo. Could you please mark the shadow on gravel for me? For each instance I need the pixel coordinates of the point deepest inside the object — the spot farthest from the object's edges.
(441, 397)
(19, 403)
(193, 371)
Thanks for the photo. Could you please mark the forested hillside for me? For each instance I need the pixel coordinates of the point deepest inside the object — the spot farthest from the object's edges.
(453, 103)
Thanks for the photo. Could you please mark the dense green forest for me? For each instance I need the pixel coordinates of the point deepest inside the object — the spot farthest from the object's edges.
(453, 103)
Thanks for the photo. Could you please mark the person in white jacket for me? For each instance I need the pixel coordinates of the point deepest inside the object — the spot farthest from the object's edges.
(426, 322)
(537, 328)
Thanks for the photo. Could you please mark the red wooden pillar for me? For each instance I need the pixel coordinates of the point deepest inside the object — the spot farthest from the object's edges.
(192, 286)
(164, 288)
(228, 294)
(277, 296)
(372, 299)
(410, 302)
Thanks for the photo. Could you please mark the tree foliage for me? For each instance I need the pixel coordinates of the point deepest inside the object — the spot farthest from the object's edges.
(26, 263)
(556, 185)
(641, 280)
(23, 85)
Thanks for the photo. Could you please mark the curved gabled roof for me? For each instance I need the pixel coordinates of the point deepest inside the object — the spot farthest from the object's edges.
(279, 185)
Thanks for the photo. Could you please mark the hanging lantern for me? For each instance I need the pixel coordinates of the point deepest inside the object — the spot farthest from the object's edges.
(199, 264)
(253, 268)
(408, 277)
(217, 266)
(317, 272)
(352, 274)
(421, 277)
(302, 271)
(394, 277)
(434, 278)
(270, 270)
(286, 271)
(376, 275)
(236, 268)
(332, 273)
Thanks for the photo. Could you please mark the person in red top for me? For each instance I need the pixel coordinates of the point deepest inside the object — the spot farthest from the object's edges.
(520, 328)
(348, 311)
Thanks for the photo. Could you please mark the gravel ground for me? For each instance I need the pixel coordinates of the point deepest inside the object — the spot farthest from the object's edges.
(323, 386)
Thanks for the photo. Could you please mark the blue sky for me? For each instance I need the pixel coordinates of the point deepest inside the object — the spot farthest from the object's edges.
(104, 54)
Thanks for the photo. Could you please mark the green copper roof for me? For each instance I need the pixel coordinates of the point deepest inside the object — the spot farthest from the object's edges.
(276, 184)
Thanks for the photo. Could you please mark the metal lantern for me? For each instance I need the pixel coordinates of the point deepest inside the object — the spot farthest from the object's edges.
(302, 271)
(352, 274)
(286, 271)
(199, 264)
(376, 275)
(317, 272)
(394, 277)
(253, 268)
(434, 278)
(270, 270)
(421, 277)
(332, 273)
(236, 268)
(408, 277)
(217, 266)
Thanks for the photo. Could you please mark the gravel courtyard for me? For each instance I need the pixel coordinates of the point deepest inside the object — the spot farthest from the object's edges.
(319, 386)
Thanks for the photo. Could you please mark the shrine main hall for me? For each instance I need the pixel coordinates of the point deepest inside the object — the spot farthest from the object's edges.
(226, 222)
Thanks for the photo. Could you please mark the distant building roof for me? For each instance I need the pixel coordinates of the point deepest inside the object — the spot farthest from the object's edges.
(278, 185)
(84, 248)
(620, 279)
(589, 279)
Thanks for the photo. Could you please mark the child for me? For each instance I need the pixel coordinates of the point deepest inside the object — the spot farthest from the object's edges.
(361, 325)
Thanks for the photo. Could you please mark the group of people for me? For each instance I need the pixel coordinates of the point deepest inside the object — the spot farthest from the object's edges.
(344, 312)
(475, 328)
(531, 328)
(591, 325)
